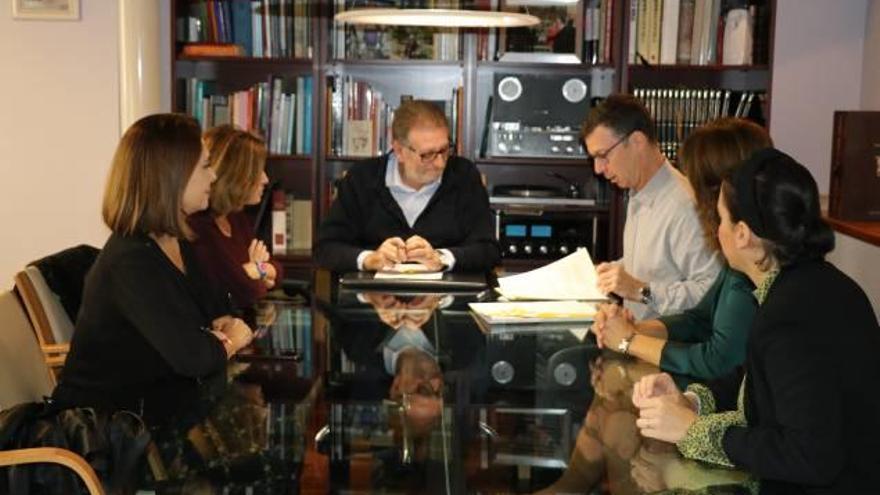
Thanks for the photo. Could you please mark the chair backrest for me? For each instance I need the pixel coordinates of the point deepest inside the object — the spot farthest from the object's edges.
(24, 375)
(44, 307)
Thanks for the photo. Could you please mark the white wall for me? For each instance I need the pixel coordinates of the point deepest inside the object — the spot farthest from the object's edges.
(817, 68)
(58, 130)
(856, 258)
(871, 59)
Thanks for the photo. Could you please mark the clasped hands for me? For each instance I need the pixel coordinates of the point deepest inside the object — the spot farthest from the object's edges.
(233, 332)
(665, 413)
(612, 324)
(258, 257)
(395, 250)
(397, 312)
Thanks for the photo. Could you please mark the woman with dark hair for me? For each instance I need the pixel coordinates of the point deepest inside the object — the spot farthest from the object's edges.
(150, 329)
(802, 420)
(708, 340)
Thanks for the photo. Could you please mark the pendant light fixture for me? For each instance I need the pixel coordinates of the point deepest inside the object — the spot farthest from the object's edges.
(430, 17)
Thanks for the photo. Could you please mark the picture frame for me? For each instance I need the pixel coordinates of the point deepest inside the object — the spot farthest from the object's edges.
(52, 10)
(554, 40)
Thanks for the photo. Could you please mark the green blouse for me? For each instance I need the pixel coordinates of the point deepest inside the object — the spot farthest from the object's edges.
(709, 340)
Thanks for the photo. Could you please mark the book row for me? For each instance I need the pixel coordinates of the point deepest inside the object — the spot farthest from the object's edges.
(279, 109)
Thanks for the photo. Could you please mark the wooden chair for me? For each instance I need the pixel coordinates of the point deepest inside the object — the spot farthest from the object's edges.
(25, 377)
(52, 325)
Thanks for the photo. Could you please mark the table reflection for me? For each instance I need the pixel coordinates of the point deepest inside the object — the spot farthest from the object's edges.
(406, 393)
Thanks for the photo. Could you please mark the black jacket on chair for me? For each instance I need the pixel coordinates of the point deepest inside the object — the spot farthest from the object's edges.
(365, 214)
(811, 398)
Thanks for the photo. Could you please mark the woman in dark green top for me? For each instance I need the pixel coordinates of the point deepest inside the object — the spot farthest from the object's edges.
(708, 340)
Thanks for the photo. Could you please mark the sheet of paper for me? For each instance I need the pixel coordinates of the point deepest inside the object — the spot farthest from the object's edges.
(408, 276)
(573, 277)
(408, 268)
(535, 311)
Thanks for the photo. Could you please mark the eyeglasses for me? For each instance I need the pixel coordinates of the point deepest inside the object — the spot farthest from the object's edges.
(604, 155)
(430, 156)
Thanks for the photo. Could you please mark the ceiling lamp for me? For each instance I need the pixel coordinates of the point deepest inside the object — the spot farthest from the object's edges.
(437, 18)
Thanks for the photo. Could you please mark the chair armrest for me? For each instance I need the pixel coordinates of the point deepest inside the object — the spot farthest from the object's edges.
(55, 348)
(55, 455)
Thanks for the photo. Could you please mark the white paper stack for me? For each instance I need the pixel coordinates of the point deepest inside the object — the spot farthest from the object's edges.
(570, 278)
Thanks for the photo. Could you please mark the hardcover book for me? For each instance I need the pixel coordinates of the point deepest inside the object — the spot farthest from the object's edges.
(855, 167)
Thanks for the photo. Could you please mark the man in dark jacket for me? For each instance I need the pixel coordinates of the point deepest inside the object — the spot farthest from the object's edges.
(415, 204)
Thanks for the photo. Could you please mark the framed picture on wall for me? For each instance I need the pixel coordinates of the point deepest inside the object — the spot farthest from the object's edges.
(59, 10)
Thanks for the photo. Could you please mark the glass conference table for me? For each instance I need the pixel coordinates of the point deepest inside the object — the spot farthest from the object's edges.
(369, 392)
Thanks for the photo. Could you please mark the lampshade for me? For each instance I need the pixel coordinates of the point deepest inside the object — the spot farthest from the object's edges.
(437, 18)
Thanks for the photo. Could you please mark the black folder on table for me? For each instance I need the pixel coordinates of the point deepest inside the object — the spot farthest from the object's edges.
(451, 282)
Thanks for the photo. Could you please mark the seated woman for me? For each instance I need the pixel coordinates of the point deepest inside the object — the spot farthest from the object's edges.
(225, 245)
(804, 418)
(708, 340)
(150, 330)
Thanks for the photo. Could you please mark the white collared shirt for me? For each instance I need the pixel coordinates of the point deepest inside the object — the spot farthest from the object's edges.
(412, 202)
(664, 245)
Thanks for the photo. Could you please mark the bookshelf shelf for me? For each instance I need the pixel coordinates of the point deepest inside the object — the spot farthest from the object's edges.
(491, 64)
(305, 159)
(734, 77)
(524, 162)
(708, 68)
(296, 257)
(286, 63)
(396, 63)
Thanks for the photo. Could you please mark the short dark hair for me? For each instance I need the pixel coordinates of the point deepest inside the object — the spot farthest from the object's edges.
(778, 199)
(708, 154)
(623, 114)
(416, 113)
(151, 167)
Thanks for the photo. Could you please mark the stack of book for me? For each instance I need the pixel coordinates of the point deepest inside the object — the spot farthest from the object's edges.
(677, 112)
(698, 32)
(291, 224)
(361, 117)
(279, 109)
(262, 28)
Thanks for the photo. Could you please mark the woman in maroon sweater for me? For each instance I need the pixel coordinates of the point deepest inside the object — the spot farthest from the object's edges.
(226, 248)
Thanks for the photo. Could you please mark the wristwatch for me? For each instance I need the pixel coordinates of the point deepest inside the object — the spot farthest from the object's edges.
(645, 296)
(623, 346)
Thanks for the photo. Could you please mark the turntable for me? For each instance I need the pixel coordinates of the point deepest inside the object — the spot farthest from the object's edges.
(527, 191)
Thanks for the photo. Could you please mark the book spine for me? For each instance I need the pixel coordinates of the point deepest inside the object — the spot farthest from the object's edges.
(669, 37)
(685, 31)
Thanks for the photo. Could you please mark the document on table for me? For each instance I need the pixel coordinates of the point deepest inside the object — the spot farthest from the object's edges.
(535, 312)
(408, 271)
(571, 278)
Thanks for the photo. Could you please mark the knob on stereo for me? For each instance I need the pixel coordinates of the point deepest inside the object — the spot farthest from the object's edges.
(563, 249)
(543, 249)
(512, 249)
(502, 372)
(527, 249)
(565, 374)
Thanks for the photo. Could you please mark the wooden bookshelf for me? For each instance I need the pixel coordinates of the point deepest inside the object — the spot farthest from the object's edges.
(309, 175)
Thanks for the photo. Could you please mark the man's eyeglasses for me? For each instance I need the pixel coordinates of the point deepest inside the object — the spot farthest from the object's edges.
(430, 156)
(603, 156)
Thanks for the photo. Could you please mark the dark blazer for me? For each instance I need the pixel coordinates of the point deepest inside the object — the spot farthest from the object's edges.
(365, 214)
(139, 342)
(811, 398)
